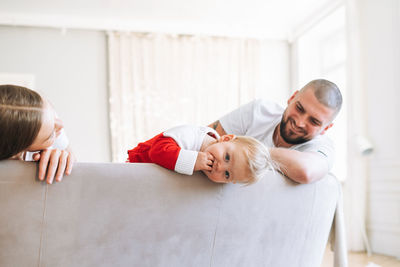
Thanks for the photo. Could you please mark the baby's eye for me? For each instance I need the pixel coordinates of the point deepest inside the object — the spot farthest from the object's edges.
(226, 175)
(227, 157)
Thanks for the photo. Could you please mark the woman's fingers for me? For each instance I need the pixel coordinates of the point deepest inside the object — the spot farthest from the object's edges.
(43, 163)
(53, 163)
(62, 163)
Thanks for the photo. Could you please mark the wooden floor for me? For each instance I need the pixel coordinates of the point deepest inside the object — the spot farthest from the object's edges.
(358, 259)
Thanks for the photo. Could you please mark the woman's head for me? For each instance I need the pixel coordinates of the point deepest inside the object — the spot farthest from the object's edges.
(27, 122)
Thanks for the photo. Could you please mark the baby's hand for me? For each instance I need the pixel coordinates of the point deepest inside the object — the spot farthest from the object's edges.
(204, 162)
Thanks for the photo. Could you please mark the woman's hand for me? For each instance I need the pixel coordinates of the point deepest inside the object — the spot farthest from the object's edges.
(204, 162)
(55, 163)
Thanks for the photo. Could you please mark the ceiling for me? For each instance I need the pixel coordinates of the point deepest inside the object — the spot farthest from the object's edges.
(273, 19)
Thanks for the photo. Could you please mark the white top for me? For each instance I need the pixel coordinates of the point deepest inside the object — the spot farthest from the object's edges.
(259, 119)
(189, 138)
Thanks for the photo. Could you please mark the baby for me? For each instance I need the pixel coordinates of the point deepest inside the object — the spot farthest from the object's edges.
(225, 159)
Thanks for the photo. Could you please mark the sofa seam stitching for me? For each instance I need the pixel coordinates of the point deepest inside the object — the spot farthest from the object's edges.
(43, 226)
(216, 227)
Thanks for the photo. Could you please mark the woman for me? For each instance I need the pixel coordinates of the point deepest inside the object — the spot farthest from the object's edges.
(30, 130)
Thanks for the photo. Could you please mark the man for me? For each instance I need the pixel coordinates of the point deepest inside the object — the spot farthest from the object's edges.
(295, 135)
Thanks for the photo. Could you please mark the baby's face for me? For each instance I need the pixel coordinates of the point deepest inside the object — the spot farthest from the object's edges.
(229, 164)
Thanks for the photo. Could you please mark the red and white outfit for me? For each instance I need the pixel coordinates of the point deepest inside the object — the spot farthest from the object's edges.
(175, 149)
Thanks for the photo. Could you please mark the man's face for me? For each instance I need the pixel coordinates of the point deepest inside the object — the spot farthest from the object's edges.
(304, 118)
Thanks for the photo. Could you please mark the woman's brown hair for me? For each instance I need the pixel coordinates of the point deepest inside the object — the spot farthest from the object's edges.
(20, 119)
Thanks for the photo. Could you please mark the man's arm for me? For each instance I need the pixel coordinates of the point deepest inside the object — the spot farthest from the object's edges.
(216, 125)
(301, 167)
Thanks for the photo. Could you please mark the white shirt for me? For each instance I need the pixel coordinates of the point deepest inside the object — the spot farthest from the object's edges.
(189, 138)
(259, 119)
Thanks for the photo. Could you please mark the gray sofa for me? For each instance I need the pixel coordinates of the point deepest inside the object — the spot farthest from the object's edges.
(107, 214)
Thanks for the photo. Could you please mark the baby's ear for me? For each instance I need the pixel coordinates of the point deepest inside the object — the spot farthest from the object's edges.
(227, 137)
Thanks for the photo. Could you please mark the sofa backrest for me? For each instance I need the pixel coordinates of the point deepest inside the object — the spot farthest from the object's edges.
(107, 214)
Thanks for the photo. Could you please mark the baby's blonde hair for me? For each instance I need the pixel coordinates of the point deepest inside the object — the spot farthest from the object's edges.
(257, 156)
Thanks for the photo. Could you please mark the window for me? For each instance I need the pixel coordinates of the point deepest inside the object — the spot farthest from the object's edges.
(321, 53)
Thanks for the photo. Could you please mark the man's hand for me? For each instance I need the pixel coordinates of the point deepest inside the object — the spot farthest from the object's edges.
(204, 162)
(54, 163)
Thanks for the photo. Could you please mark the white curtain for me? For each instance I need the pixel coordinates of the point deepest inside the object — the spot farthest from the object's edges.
(158, 81)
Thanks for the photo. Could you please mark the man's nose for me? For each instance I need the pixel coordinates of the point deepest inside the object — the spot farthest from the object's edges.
(301, 122)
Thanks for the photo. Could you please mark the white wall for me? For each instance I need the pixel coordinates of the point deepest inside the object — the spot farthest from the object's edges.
(276, 80)
(254, 18)
(380, 38)
(70, 70)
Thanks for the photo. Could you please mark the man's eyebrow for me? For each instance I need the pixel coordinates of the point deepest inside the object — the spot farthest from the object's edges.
(313, 118)
(317, 121)
(299, 104)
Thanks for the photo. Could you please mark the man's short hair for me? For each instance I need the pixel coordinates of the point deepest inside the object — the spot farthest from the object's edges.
(327, 93)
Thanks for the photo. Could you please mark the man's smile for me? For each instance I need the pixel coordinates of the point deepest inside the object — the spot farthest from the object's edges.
(295, 129)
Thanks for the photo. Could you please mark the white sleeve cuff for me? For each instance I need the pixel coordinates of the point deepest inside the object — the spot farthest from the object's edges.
(186, 161)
